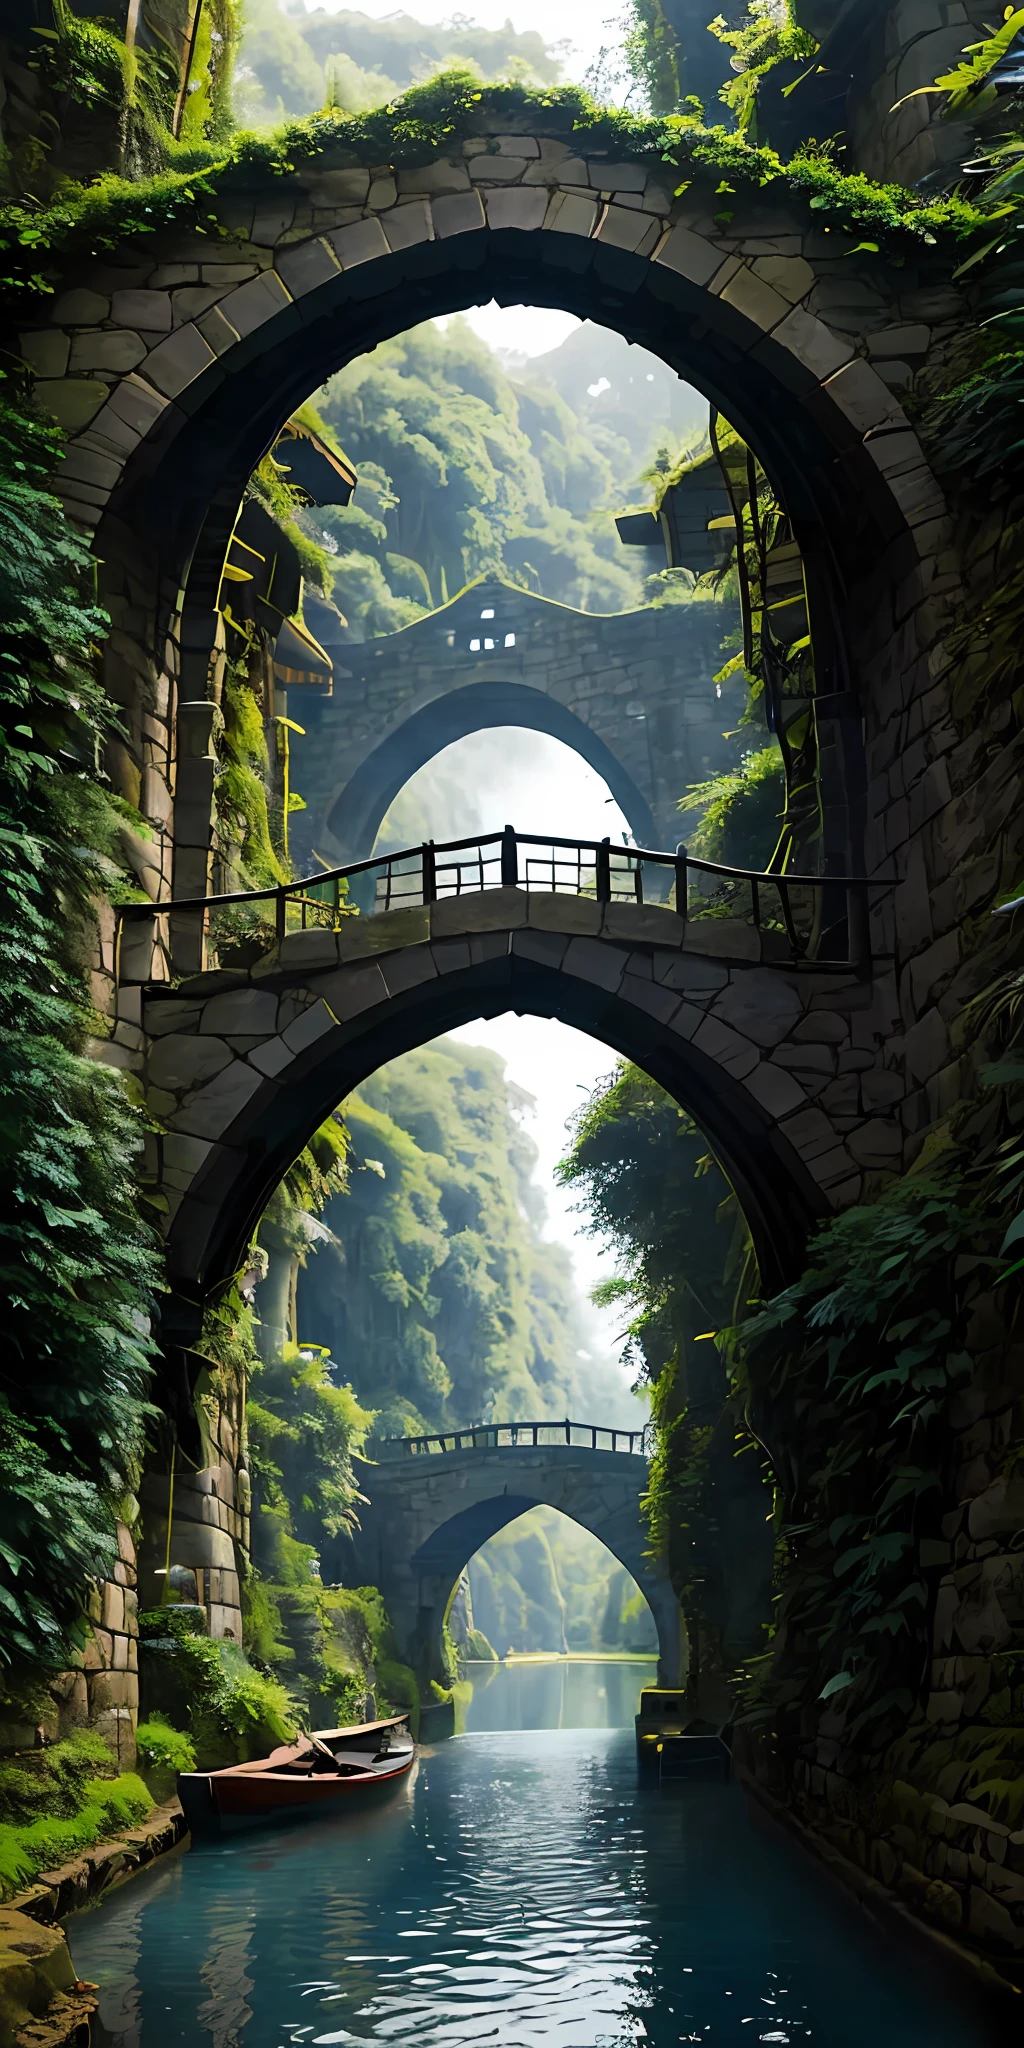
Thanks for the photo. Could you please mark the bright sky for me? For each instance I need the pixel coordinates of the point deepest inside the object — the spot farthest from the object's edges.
(530, 780)
(585, 29)
(518, 330)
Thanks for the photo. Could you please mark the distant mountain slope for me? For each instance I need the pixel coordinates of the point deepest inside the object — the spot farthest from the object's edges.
(291, 62)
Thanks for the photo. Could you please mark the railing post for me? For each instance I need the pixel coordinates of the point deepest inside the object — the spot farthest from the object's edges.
(429, 867)
(509, 859)
(593, 1438)
(604, 872)
(682, 882)
(858, 929)
(279, 910)
(568, 1430)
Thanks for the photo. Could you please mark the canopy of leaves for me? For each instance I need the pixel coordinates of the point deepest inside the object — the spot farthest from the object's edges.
(77, 1271)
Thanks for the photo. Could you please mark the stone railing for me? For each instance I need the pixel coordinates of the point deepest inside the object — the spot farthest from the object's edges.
(815, 920)
(518, 1436)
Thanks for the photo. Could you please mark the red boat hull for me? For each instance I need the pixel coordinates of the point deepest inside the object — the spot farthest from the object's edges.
(296, 1779)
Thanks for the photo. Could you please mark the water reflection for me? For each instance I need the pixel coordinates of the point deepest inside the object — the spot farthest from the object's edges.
(601, 1692)
(522, 1892)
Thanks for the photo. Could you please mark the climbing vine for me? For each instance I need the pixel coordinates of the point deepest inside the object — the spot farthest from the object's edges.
(77, 1268)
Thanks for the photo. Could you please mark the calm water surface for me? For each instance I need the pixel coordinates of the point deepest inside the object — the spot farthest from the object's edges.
(521, 1891)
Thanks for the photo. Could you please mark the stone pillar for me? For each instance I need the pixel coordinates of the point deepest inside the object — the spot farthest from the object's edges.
(209, 1512)
(100, 1689)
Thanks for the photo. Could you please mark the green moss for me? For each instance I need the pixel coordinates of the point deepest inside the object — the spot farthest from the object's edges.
(163, 1751)
(53, 1805)
(37, 242)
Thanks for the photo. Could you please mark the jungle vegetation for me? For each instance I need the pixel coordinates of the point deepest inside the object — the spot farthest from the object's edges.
(468, 468)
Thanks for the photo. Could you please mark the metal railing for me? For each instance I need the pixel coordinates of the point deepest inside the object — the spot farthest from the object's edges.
(518, 1436)
(817, 919)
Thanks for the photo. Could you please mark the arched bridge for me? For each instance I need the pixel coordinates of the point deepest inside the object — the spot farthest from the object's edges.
(750, 997)
(435, 1500)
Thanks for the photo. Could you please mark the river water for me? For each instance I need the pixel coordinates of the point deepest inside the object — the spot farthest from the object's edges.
(520, 1891)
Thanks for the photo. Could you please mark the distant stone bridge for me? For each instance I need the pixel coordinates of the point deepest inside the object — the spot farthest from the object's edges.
(633, 693)
(434, 1501)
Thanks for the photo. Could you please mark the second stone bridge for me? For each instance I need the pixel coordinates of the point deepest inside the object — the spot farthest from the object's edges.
(434, 1501)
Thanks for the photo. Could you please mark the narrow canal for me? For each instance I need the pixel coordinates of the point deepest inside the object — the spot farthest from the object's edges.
(522, 1891)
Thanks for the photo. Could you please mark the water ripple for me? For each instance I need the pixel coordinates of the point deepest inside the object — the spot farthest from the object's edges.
(521, 1893)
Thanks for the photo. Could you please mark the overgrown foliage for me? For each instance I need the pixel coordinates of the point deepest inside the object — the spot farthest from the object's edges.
(848, 1377)
(77, 1271)
(59, 1801)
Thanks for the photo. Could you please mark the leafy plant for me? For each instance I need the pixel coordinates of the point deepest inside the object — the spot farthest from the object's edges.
(77, 1267)
(847, 1378)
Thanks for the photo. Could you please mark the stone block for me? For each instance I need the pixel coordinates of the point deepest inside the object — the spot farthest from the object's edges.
(792, 276)
(650, 996)
(249, 1010)
(699, 979)
(80, 308)
(596, 961)
(270, 1058)
(548, 948)
(497, 170)
(216, 331)
(756, 299)
(178, 1063)
(146, 309)
(408, 969)
(617, 177)
(306, 265)
(345, 995)
(564, 913)
(252, 304)
(878, 1143)
(490, 910)
(46, 352)
(722, 938)
(642, 924)
(625, 228)
(112, 1609)
(172, 1015)
(178, 361)
(689, 255)
(385, 932)
(214, 1108)
(881, 1088)
(407, 225)
(523, 208)
(813, 344)
(457, 213)
(728, 1049)
(99, 349)
(361, 242)
(763, 1005)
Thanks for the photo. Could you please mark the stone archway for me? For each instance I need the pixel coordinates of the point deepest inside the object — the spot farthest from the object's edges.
(427, 1517)
(179, 365)
(632, 693)
(241, 1067)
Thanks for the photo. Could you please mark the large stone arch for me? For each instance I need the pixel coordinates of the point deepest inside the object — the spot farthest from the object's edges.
(782, 1068)
(176, 365)
(633, 693)
(426, 1517)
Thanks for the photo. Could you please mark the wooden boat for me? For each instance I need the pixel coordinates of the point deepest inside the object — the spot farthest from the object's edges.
(318, 1772)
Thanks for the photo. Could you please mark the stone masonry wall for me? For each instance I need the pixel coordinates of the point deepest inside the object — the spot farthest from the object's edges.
(640, 682)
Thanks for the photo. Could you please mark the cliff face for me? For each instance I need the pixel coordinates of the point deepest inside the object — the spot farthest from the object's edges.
(440, 1298)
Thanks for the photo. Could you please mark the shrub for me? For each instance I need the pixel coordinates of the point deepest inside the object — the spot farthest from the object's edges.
(163, 1752)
